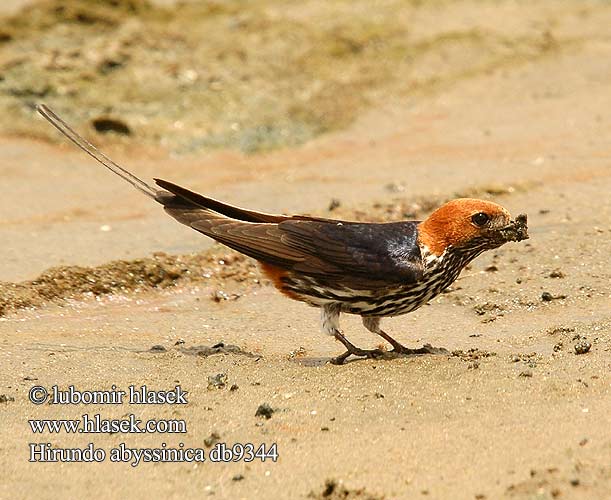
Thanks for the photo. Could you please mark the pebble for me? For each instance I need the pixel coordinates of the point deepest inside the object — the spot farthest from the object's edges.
(264, 410)
(582, 347)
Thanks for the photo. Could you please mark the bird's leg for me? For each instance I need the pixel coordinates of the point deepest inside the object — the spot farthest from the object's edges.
(330, 325)
(373, 325)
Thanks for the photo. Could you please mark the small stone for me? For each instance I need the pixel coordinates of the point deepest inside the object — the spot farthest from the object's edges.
(5, 399)
(105, 124)
(212, 439)
(218, 381)
(526, 374)
(238, 477)
(333, 204)
(219, 295)
(582, 347)
(575, 482)
(548, 297)
(297, 353)
(264, 410)
(158, 348)
(234, 387)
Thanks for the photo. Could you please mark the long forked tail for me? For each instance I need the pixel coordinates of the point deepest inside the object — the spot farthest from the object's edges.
(92, 151)
(178, 201)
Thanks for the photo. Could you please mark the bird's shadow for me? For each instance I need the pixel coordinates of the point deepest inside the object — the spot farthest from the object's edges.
(222, 348)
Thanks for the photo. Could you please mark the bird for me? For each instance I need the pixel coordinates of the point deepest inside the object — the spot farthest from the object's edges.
(371, 269)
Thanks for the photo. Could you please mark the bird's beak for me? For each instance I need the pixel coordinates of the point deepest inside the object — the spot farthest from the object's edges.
(516, 230)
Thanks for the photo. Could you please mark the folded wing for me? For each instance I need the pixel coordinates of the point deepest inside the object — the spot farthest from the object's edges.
(361, 255)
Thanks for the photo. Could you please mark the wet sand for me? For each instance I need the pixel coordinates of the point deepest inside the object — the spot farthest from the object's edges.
(512, 411)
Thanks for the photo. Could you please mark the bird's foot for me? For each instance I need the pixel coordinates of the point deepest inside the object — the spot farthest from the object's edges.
(363, 353)
(425, 349)
(351, 349)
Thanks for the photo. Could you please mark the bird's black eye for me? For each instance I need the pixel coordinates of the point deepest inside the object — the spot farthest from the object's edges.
(480, 219)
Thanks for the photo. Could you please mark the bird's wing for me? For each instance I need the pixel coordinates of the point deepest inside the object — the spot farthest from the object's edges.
(358, 255)
(355, 254)
(372, 251)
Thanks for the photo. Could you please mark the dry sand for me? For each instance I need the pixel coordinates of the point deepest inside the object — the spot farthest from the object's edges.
(511, 412)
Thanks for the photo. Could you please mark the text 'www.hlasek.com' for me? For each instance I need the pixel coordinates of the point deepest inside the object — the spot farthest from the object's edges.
(95, 423)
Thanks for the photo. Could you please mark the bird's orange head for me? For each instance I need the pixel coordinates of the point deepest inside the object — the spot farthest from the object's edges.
(467, 222)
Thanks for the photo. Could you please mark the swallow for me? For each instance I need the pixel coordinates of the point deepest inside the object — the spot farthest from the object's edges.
(375, 270)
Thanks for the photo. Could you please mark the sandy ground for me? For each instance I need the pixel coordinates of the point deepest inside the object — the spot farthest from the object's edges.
(511, 412)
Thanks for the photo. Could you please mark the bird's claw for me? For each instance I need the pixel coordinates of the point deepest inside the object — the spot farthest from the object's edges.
(425, 349)
(363, 353)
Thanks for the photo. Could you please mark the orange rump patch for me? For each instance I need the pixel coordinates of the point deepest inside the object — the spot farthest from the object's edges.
(276, 274)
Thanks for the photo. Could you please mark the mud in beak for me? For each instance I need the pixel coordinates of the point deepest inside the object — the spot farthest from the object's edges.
(516, 230)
